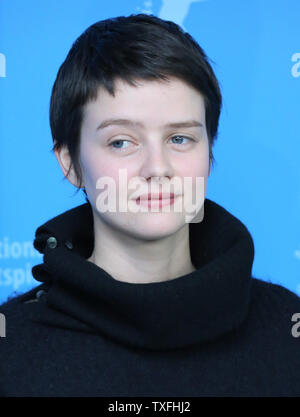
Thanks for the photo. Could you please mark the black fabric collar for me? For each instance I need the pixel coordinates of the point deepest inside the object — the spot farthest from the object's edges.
(185, 311)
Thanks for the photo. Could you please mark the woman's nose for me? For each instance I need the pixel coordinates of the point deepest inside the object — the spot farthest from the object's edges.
(156, 164)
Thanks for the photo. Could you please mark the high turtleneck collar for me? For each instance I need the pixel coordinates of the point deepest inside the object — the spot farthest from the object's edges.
(184, 311)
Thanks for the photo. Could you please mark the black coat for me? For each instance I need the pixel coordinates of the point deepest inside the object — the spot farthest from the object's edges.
(217, 331)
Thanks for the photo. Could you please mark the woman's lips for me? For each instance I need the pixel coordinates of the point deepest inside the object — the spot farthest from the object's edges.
(156, 200)
(156, 196)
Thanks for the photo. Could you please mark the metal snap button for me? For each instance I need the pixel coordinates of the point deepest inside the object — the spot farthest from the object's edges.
(51, 242)
(68, 244)
(40, 293)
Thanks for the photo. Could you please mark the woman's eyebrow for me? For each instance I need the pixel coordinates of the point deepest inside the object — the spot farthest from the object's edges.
(134, 123)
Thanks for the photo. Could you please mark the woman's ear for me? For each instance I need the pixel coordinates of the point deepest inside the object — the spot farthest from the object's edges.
(64, 159)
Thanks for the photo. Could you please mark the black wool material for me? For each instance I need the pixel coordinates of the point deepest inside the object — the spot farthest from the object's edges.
(217, 331)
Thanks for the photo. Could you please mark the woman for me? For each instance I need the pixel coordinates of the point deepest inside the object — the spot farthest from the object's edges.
(142, 295)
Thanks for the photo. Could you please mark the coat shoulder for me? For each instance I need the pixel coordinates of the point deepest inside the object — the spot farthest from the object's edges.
(277, 295)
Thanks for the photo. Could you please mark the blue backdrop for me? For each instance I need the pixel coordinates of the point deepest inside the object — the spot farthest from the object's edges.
(255, 46)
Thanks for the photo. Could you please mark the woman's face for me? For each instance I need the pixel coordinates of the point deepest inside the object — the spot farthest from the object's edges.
(144, 144)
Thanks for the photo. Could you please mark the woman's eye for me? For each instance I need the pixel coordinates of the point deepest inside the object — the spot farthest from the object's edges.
(179, 142)
(119, 144)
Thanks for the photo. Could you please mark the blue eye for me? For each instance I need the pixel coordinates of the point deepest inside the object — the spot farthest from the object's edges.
(183, 137)
(119, 141)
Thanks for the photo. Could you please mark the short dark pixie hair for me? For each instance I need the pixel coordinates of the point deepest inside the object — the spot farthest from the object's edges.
(137, 47)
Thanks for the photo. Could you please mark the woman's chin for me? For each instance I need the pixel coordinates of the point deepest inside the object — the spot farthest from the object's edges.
(156, 225)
